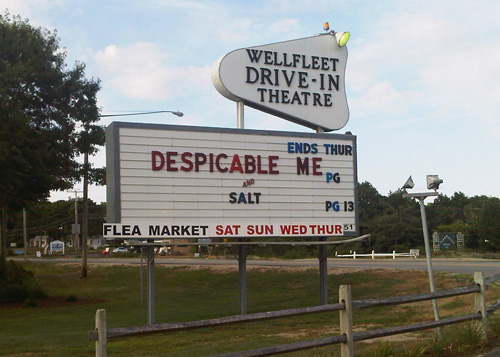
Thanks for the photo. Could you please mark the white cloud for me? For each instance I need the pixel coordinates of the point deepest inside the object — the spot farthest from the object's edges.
(34, 10)
(421, 61)
(143, 71)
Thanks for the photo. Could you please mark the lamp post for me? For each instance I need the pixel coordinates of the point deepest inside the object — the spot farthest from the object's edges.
(84, 231)
(177, 113)
(433, 182)
(150, 256)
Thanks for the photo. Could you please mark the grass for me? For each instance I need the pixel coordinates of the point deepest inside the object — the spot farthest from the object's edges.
(58, 326)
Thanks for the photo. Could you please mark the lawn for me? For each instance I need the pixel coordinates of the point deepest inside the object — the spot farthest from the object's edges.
(58, 326)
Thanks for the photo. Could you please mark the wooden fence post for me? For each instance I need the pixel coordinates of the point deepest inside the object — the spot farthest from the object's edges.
(480, 302)
(346, 349)
(101, 345)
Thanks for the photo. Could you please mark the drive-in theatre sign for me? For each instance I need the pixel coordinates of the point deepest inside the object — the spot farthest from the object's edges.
(193, 182)
(300, 80)
(198, 182)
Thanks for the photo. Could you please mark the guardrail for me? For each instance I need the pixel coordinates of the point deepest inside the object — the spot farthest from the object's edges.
(346, 305)
(413, 253)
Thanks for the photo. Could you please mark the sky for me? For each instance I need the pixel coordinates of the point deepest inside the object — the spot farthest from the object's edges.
(422, 77)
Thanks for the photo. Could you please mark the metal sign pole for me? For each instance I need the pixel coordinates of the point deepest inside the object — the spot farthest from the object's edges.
(242, 249)
(323, 261)
(428, 258)
(242, 270)
(151, 285)
(323, 273)
(421, 197)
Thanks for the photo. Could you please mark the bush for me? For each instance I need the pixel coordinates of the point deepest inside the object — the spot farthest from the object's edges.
(17, 284)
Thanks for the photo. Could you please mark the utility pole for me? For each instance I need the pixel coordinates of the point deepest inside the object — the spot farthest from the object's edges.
(25, 235)
(85, 217)
(77, 228)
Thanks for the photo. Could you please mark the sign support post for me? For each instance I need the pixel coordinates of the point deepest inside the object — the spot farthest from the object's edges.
(323, 273)
(323, 261)
(421, 197)
(240, 114)
(242, 270)
(242, 249)
(151, 284)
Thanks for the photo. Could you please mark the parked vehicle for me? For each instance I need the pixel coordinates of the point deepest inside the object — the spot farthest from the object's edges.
(120, 250)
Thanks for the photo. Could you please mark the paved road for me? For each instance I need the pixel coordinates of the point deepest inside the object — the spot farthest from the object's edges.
(457, 266)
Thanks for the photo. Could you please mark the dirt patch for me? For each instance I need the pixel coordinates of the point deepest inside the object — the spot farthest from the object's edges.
(255, 268)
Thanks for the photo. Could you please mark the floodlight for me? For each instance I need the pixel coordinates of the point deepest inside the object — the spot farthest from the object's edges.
(433, 182)
(408, 184)
(342, 38)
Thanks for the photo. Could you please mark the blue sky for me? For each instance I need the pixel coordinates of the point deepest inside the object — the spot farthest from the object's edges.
(422, 78)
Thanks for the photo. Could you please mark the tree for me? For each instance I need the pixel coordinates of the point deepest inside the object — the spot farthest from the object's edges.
(489, 223)
(44, 109)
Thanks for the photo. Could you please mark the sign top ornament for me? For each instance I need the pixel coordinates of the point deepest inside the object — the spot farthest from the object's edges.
(301, 80)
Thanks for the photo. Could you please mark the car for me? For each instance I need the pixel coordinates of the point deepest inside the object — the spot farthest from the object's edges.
(120, 250)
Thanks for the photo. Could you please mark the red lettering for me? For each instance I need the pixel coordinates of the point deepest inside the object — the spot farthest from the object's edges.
(185, 157)
(170, 161)
(250, 164)
(217, 163)
(229, 230)
(273, 164)
(157, 155)
(259, 166)
(316, 166)
(236, 164)
(199, 159)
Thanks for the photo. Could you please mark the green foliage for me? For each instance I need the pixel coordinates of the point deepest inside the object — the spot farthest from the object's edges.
(48, 114)
(383, 349)
(55, 219)
(414, 350)
(41, 103)
(395, 222)
(494, 325)
(17, 284)
(458, 340)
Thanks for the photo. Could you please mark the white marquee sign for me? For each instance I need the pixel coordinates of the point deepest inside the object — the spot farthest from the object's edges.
(300, 80)
(193, 182)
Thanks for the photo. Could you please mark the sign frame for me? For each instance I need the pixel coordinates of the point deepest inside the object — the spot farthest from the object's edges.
(114, 194)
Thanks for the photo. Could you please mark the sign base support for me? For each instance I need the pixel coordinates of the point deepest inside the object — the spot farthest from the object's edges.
(323, 273)
(151, 284)
(242, 272)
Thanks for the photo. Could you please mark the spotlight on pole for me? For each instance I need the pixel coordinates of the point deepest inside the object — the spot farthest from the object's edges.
(433, 182)
(408, 184)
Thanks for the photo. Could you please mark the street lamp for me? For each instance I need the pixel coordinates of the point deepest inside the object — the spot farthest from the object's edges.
(86, 183)
(433, 182)
(179, 114)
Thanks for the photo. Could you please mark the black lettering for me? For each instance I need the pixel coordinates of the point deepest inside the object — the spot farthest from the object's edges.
(252, 75)
(254, 55)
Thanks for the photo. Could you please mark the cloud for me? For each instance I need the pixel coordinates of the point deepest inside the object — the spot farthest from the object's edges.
(420, 62)
(143, 71)
(34, 10)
